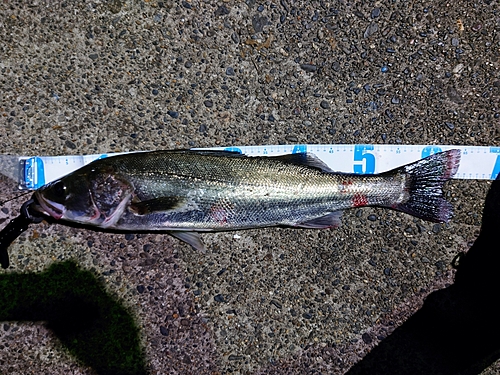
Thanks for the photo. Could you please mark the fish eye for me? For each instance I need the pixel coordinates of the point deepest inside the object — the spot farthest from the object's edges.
(59, 189)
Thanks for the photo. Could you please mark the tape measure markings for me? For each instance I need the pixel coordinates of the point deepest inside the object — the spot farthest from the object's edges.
(477, 162)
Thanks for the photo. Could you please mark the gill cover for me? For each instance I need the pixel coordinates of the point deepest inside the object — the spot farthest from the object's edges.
(111, 195)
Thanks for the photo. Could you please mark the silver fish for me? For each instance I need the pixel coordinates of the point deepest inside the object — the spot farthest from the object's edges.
(186, 192)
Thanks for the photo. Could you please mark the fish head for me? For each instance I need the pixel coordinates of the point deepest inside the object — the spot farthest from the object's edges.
(68, 198)
(93, 196)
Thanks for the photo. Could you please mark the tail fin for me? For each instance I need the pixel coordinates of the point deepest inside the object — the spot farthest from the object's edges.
(424, 184)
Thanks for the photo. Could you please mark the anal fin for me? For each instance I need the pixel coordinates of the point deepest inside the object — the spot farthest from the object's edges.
(327, 221)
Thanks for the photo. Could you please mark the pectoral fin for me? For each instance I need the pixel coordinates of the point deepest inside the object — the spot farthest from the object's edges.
(156, 205)
(192, 238)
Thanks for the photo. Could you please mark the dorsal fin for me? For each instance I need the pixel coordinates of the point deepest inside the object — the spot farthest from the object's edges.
(215, 152)
(304, 158)
(300, 158)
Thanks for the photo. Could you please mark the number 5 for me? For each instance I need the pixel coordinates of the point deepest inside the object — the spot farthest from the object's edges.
(361, 153)
(430, 150)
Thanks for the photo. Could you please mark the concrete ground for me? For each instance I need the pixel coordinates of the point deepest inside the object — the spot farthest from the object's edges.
(103, 76)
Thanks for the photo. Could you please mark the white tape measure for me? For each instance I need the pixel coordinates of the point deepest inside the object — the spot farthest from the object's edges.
(477, 162)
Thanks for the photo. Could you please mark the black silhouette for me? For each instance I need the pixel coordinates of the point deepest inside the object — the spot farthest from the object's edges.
(457, 331)
(93, 326)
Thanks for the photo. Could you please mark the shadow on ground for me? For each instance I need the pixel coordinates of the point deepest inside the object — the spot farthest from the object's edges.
(95, 328)
(457, 331)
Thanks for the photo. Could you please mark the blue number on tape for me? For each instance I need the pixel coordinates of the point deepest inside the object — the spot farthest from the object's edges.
(430, 150)
(234, 149)
(299, 149)
(496, 168)
(361, 153)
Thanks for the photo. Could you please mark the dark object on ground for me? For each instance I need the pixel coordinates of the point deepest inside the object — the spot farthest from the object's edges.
(14, 229)
(457, 329)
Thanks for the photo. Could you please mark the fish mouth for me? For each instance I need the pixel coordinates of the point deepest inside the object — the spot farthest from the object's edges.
(56, 210)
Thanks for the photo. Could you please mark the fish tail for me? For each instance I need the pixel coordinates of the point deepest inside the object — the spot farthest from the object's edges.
(424, 185)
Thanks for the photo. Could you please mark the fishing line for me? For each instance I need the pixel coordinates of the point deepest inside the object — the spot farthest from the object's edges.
(16, 197)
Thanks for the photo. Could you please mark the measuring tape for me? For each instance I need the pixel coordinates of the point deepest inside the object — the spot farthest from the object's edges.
(477, 162)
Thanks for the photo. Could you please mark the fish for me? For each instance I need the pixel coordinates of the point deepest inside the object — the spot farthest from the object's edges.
(187, 192)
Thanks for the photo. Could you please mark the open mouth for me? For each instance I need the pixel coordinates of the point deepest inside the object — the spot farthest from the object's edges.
(50, 208)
